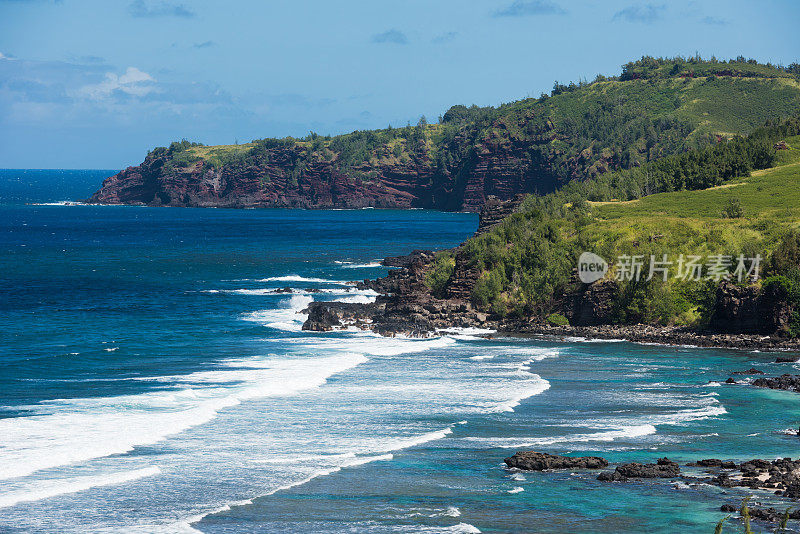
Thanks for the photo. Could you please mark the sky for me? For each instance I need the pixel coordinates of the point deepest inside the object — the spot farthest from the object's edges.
(96, 83)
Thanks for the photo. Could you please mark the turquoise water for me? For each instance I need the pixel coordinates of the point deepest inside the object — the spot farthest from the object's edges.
(154, 381)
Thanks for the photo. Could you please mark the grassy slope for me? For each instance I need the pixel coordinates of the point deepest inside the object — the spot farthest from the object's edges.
(526, 261)
(692, 220)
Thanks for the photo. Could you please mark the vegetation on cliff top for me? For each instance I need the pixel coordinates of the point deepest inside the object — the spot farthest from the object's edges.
(656, 107)
(526, 262)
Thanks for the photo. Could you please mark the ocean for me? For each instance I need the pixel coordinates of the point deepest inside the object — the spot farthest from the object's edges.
(155, 378)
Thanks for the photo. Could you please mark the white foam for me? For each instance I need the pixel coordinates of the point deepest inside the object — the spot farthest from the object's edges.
(371, 265)
(303, 459)
(59, 203)
(53, 488)
(298, 278)
(289, 319)
(463, 528)
(467, 331)
(608, 435)
(377, 345)
(516, 490)
(352, 463)
(114, 425)
(357, 299)
(413, 441)
(535, 386)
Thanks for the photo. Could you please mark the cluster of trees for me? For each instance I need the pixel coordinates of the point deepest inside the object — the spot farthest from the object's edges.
(649, 67)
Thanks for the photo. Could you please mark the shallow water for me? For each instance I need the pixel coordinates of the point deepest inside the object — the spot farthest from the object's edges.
(154, 381)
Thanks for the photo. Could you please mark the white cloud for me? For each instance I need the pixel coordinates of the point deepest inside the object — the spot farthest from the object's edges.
(133, 82)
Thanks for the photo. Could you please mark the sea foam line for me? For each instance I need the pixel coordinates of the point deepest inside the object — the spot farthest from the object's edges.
(608, 435)
(54, 488)
(298, 278)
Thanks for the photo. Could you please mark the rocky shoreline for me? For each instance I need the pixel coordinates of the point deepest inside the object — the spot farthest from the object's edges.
(779, 477)
(655, 335)
(406, 306)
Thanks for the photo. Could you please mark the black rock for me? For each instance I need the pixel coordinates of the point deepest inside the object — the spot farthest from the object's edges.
(751, 371)
(787, 359)
(611, 476)
(539, 461)
(713, 462)
(663, 468)
(785, 382)
(730, 381)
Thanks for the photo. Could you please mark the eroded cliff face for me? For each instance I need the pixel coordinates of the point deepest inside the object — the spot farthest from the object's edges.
(294, 175)
(319, 185)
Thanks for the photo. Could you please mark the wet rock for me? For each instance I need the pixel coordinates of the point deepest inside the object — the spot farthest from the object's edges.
(730, 381)
(327, 316)
(611, 476)
(663, 468)
(714, 462)
(540, 461)
(723, 480)
(784, 382)
(787, 359)
(751, 371)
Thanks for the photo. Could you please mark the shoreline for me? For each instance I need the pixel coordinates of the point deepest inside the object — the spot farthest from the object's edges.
(671, 336)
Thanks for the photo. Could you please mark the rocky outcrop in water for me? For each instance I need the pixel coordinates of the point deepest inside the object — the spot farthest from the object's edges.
(780, 477)
(785, 382)
(540, 461)
(663, 468)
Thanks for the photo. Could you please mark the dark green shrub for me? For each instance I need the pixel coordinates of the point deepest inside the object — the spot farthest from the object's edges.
(733, 209)
(440, 273)
(556, 319)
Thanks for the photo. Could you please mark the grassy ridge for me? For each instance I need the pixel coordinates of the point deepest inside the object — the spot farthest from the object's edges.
(655, 108)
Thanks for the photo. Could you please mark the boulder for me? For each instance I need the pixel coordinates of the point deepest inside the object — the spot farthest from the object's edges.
(663, 468)
(751, 371)
(784, 382)
(540, 461)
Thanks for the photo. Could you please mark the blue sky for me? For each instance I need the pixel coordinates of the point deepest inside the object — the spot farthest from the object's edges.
(96, 83)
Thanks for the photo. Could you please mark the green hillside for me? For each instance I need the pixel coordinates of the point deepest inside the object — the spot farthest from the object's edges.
(656, 107)
(527, 261)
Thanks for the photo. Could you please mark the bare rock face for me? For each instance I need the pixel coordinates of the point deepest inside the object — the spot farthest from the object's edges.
(591, 304)
(746, 310)
(494, 211)
(540, 461)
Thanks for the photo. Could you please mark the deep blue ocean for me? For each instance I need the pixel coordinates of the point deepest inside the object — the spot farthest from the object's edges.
(153, 380)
